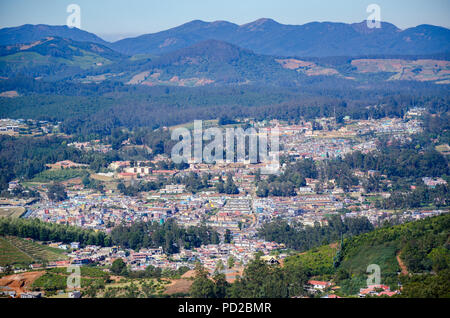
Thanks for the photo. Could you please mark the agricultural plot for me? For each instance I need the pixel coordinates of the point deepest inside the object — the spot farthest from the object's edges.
(11, 255)
(21, 251)
(59, 175)
(12, 211)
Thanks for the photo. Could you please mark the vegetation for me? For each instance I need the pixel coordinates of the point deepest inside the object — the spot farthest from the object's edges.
(260, 280)
(16, 250)
(421, 245)
(11, 255)
(59, 175)
(302, 238)
(43, 231)
(316, 262)
(169, 235)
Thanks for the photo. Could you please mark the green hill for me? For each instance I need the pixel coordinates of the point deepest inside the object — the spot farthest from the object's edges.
(422, 246)
(415, 255)
(53, 55)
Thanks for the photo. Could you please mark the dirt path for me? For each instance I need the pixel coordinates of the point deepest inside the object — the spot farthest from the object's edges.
(20, 282)
(401, 264)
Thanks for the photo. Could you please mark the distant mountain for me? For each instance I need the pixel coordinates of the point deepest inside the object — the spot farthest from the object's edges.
(208, 62)
(189, 57)
(30, 33)
(263, 36)
(213, 62)
(266, 36)
(52, 55)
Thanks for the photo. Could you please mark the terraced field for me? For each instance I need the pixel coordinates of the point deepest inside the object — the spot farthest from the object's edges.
(12, 211)
(10, 255)
(15, 250)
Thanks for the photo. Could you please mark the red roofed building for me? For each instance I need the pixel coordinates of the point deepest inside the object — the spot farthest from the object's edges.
(376, 290)
(319, 285)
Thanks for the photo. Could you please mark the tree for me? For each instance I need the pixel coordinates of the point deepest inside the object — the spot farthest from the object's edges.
(220, 285)
(119, 267)
(230, 187)
(220, 266)
(56, 192)
(230, 262)
(202, 287)
(440, 256)
(227, 237)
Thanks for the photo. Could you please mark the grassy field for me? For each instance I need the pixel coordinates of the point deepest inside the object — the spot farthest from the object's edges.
(318, 261)
(16, 250)
(14, 212)
(11, 255)
(383, 255)
(59, 175)
(206, 124)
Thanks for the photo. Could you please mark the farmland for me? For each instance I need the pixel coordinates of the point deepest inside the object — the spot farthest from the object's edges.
(11, 211)
(15, 250)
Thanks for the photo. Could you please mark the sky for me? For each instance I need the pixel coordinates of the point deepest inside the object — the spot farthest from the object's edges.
(115, 19)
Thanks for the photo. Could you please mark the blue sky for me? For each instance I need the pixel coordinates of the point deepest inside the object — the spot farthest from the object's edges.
(118, 18)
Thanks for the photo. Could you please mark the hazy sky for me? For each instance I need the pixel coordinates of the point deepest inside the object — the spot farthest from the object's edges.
(118, 18)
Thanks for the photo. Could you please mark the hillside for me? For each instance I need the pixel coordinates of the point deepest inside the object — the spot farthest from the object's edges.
(53, 55)
(422, 246)
(211, 62)
(31, 33)
(419, 248)
(16, 250)
(214, 62)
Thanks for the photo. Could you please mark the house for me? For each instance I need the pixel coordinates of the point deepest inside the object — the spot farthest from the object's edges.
(7, 291)
(31, 295)
(331, 296)
(376, 290)
(74, 294)
(35, 266)
(75, 245)
(319, 285)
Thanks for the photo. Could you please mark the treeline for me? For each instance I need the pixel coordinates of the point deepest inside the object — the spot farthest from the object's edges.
(169, 235)
(97, 109)
(43, 231)
(415, 240)
(401, 160)
(286, 184)
(302, 238)
(421, 196)
(134, 189)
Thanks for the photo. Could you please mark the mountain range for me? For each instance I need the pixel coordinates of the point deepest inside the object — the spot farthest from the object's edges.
(220, 53)
(263, 36)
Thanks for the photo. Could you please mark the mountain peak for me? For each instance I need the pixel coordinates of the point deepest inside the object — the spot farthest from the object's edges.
(260, 24)
(28, 33)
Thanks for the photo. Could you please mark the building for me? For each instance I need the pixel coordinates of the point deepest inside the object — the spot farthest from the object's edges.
(318, 285)
(74, 294)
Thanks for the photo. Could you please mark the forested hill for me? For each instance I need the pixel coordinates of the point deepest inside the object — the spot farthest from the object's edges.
(30, 33)
(420, 248)
(414, 256)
